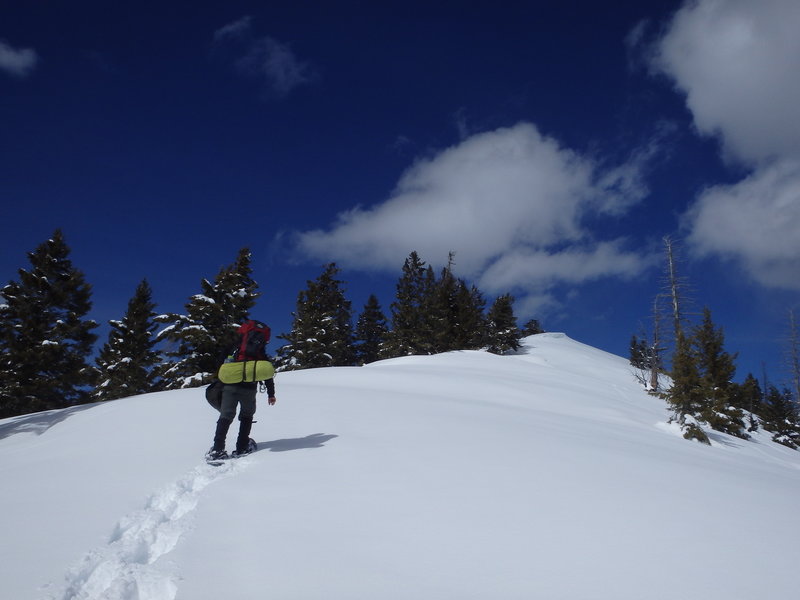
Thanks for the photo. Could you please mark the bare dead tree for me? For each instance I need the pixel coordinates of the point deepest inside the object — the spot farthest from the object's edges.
(676, 286)
(656, 348)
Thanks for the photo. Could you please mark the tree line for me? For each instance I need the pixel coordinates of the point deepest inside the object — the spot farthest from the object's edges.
(700, 390)
(47, 339)
(431, 313)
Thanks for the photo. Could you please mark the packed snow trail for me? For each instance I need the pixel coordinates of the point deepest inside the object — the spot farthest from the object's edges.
(129, 566)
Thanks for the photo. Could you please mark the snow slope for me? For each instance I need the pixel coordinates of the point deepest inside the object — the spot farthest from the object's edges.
(549, 474)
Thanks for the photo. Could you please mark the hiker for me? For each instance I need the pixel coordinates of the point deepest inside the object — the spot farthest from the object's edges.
(243, 373)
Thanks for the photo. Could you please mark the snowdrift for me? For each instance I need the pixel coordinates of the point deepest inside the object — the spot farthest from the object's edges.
(548, 474)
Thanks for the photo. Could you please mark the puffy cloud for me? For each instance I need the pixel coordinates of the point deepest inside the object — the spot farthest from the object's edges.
(508, 202)
(756, 222)
(478, 198)
(737, 63)
(264, 58)
(17, 61)
(540, 270)
(571, 265)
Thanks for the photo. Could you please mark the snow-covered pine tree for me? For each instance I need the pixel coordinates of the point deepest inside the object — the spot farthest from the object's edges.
(716, 369)
(371, 331)
(203, 336)
(454, 313)
(322, 329)
(126, 363)
(504, 335)
(469, 324)
(748, 397)
(440, 312)
(781, 418)
(45, 338)
(411, 318)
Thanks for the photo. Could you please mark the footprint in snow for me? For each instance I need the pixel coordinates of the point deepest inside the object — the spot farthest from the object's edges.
(128, 568)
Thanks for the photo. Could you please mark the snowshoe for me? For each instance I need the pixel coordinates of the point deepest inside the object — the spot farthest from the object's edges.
(251, 447)
(216, 457)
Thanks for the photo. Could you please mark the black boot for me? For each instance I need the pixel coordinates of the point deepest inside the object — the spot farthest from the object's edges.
(243, 441)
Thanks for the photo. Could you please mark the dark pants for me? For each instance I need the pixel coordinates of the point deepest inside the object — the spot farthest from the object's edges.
(233, 395)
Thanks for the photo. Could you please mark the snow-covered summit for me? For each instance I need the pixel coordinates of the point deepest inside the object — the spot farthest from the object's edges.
(547, 474)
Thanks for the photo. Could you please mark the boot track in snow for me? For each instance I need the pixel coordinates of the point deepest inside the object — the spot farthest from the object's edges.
(129, 566)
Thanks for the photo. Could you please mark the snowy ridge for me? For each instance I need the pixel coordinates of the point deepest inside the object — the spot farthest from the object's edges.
(547, 474)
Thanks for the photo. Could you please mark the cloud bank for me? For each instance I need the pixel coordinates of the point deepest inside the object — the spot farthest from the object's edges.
(511, 203)
(756, 222)
(737, 62)
(263, 58)
(18, 62)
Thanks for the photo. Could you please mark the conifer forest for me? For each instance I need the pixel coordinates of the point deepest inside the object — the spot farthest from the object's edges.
(51, 357)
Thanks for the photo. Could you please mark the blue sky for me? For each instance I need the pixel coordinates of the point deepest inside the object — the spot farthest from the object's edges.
(551, 146)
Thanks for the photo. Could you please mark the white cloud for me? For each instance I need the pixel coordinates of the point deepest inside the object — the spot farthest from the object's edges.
(17, 61)
(537, 271)
(236, 29)
(756, 221)
(572, 265)
(510, 203)
(264, 58)
(737, 62)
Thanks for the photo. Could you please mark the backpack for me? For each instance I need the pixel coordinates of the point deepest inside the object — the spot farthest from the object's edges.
(247, 363)
(253, 342)
(214, 394)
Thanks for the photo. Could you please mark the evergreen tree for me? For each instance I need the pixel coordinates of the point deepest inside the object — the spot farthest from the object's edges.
(685, 397)
(429, 317)
(44, 337)
(411, 319)
(702, 388)
(469, 325)
(748, 397)
(504, 335)
(440, 320)
(532, 327)
(716, 369)
(203, 336)
(780, 415)
(322, 330)
(639, 353)
(433, 315)
(127, 361)
(371, 332)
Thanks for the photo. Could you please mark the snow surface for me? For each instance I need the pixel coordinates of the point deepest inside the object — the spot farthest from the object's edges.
(547, 475)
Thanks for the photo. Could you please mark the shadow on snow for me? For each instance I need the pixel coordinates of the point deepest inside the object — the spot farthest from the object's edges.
(315, 440)
(39, 422)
